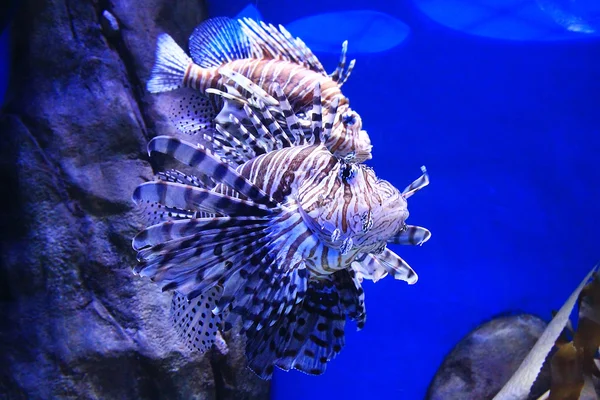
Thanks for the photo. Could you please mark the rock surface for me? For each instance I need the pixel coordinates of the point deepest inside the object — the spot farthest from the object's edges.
(74, 321)
(483, 361)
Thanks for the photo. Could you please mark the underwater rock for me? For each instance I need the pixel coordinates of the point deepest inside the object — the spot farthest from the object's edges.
(74, 320)
(482, 362)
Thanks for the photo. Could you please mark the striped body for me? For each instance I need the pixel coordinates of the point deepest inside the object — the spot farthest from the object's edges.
(337, 214)
(297, 84)
(296, 81)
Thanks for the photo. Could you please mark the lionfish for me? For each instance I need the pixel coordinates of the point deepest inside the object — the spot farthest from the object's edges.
(223, 49)
(281, 242)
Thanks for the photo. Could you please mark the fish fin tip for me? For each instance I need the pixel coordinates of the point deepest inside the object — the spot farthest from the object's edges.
(388, 262)
(411, 235)
(417, 185)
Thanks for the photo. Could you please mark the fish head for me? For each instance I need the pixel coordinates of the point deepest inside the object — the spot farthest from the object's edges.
(353, 210)
(385, 215)
(348, 141)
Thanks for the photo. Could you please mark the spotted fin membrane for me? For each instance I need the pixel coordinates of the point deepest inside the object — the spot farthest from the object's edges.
(192, 113)
(194, 321)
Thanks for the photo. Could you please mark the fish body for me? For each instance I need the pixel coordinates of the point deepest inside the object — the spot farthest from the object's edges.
(269, 58)
(279, 243)
(296, 81)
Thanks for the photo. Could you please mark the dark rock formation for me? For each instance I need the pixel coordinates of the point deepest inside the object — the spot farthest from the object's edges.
(481, 363)
(74, 321)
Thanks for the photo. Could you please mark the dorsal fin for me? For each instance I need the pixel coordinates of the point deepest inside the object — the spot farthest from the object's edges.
(217, 41)
(267, 41)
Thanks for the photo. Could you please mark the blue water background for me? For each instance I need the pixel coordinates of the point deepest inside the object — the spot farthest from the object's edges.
(4, 63)
(510, 133)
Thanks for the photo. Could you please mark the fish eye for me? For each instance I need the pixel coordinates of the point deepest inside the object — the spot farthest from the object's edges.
(348, 172)
(349, 118)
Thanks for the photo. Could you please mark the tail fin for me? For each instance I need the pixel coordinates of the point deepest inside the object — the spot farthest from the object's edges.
(170, 66)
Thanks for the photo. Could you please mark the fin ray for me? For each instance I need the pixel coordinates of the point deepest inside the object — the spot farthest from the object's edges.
(411, 235)
(188, 197)
(268, 41)
(396, 266)
(170, 230)
(170, 66)
(417, 185)
(200, 158)
(217, 41)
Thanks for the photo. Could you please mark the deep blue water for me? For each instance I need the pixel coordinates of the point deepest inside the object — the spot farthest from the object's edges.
(510, 134)
(4, 54)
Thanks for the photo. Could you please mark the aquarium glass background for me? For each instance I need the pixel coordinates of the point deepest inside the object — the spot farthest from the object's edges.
(502, 104)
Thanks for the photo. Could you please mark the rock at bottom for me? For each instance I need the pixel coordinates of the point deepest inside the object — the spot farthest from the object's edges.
(484, 360)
